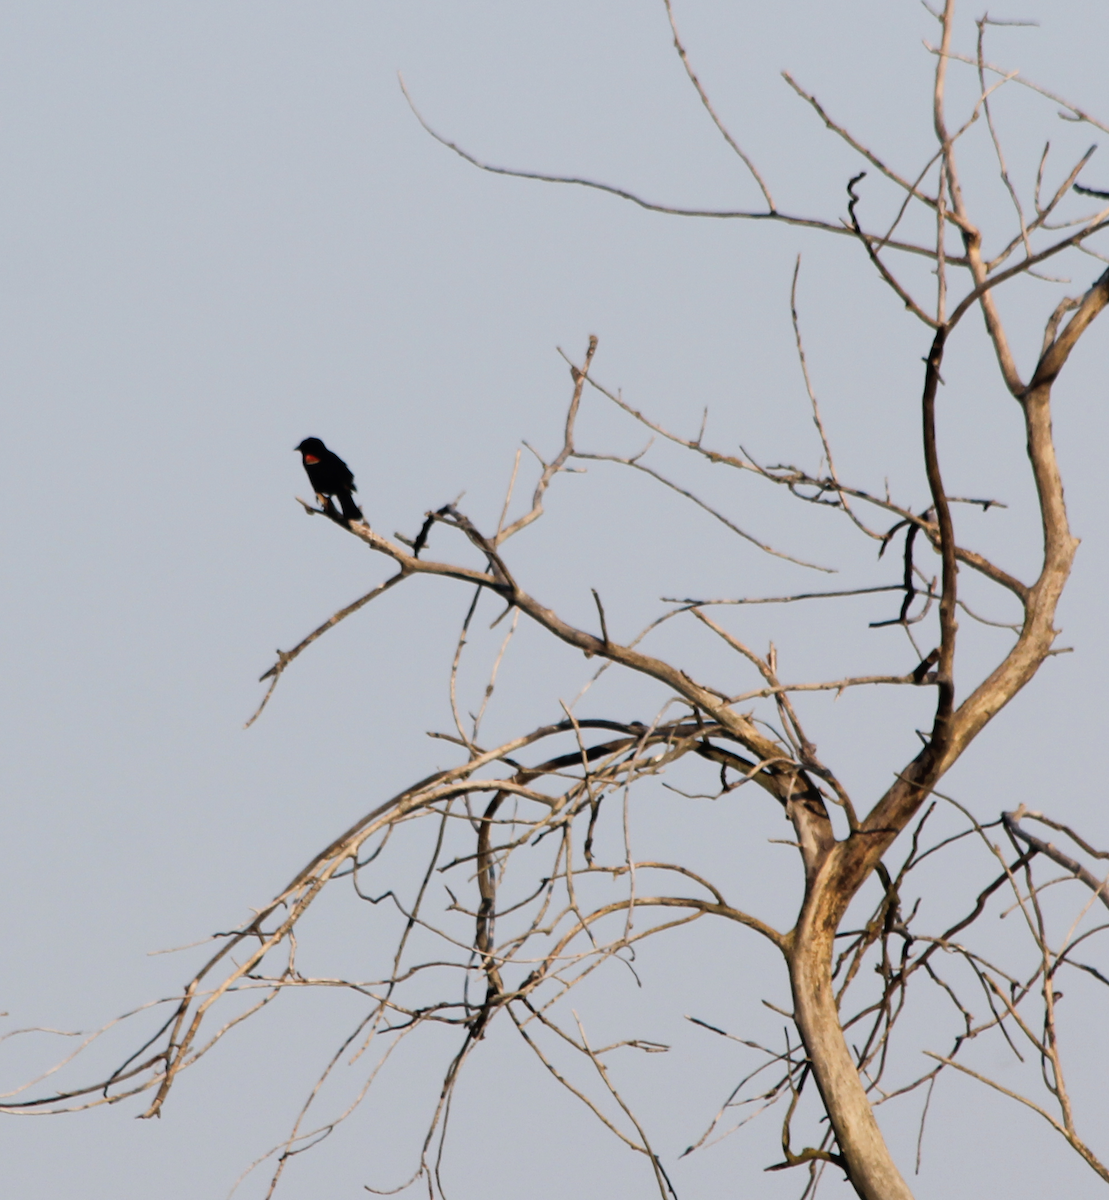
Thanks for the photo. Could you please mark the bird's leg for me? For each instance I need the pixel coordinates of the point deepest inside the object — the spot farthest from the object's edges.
(329, 508)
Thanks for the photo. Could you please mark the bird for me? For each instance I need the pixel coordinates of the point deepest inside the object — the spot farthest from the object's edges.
(329, 476)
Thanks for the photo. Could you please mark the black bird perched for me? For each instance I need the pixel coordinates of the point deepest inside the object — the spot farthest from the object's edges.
(330, 476)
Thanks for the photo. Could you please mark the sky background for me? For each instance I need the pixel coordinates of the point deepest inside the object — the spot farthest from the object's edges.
(222, 230)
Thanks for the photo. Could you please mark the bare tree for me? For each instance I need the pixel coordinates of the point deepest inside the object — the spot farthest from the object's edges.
(553, 802)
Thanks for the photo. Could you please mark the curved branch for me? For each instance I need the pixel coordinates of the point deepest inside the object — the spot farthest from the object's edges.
(763, 546)
(551, 469)
(284, 657)
(712, 111)
(650, 206)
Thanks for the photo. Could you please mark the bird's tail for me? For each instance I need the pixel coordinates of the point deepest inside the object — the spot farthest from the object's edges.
(351, 511)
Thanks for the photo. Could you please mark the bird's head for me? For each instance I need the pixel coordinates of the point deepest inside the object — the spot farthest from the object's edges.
(312, 449)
